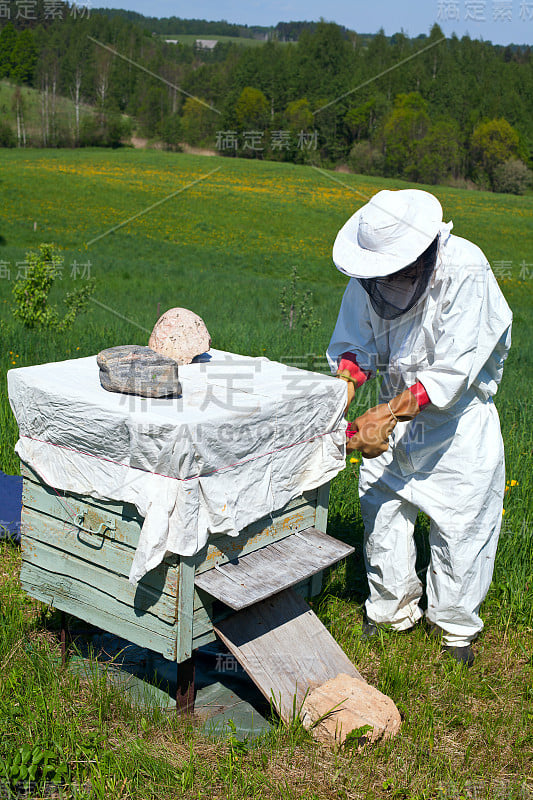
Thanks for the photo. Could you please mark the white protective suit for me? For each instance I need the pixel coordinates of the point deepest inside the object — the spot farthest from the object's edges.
(449, 461)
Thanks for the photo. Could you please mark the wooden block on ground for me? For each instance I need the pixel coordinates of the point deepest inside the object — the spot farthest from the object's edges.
(285, 649)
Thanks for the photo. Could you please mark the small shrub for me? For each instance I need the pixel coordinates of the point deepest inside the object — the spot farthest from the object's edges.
(31, 292)
(512, 177)
(365, 159)
(296, 307)
(7, 136)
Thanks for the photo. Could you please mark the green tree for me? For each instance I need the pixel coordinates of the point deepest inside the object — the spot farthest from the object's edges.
(171, 131)
(438, 155)
(251, 109)
(493, 143)
(24, 57)
(197, 122)
(8, 39)
(407, 123)
(299, 115)
(513, 176)
(366, 159)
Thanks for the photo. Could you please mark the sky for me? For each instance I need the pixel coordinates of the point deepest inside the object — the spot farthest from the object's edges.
(498, 21)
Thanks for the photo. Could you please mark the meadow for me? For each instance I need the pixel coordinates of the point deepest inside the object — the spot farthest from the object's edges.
(192, 38)
(221, 237)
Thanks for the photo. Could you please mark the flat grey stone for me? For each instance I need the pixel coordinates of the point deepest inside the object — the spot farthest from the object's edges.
(133, 369)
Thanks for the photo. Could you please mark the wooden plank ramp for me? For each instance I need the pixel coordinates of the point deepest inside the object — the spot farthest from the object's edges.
(285, 649)
(277, 566)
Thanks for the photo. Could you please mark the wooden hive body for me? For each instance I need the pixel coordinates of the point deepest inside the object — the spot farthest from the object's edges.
(77, 554)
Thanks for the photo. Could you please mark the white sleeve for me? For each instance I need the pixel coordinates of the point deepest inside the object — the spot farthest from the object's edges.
(474, 325)
(353, 332)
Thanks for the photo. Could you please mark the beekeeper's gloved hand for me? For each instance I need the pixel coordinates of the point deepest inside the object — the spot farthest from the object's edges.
(345, 376)
(376, 425)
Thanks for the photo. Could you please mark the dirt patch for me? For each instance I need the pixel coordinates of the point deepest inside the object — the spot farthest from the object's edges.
(197, 151)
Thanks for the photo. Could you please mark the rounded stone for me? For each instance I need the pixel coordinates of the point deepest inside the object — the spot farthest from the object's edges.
(180, 334)
(346, 704)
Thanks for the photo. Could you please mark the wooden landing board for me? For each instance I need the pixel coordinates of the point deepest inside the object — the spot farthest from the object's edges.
(285, 649)
(247, 580)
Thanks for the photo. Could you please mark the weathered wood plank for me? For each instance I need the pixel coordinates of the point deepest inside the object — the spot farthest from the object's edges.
(322, 500)
(45, 500)
(271, 569)
(205, 616)
(84, 602)
(185, 606)
(143, 600)
(283, 523)
(128, 510)
(321, 524)
(112, 555)
(296, 515)
(285, 649)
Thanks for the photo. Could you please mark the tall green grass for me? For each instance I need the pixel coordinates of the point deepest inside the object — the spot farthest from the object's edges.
(225, 248)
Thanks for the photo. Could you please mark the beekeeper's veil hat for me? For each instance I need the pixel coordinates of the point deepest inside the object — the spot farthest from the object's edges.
(388, 233)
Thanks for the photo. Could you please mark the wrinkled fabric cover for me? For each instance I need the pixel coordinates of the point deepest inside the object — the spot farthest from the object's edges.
(246, 436)
(449, 461)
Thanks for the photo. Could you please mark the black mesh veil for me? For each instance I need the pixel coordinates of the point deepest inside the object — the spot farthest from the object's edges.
(398, 293)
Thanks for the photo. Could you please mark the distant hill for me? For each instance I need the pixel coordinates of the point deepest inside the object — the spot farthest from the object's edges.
(198, 28)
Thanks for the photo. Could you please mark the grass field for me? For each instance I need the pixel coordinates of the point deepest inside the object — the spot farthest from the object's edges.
(224, 246)
(191, 38)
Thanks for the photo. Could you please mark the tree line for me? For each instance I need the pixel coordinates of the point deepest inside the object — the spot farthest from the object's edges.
(428, 109)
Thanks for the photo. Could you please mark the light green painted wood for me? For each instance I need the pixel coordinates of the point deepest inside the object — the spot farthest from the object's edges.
(321, 518)
(43, 499)
(127, 510)
(265, 531)
(85, 574)
(204, 638)
(112, 555)
(84, 602)
(144, 601)
(185, 609)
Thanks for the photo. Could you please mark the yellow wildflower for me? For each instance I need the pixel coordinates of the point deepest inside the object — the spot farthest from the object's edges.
(503, 511)
(514, 483)
(354, 461)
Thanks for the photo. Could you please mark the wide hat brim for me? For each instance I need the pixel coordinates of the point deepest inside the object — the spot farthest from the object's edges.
(388, 233)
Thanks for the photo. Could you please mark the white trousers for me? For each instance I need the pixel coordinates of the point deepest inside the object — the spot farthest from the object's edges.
(461, 490)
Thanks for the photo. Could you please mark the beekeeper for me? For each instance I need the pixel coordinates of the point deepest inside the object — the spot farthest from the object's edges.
(423, 310)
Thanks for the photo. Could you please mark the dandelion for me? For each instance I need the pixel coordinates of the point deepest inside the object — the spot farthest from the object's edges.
(13, 362)
(514, 483)
(503, 511)
(354, 460)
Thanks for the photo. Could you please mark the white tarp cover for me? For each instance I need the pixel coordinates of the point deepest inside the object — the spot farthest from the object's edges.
(246, 436)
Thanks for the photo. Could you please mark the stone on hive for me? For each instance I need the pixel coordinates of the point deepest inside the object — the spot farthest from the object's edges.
(180, 334)
(133, 369)
(346, 704)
